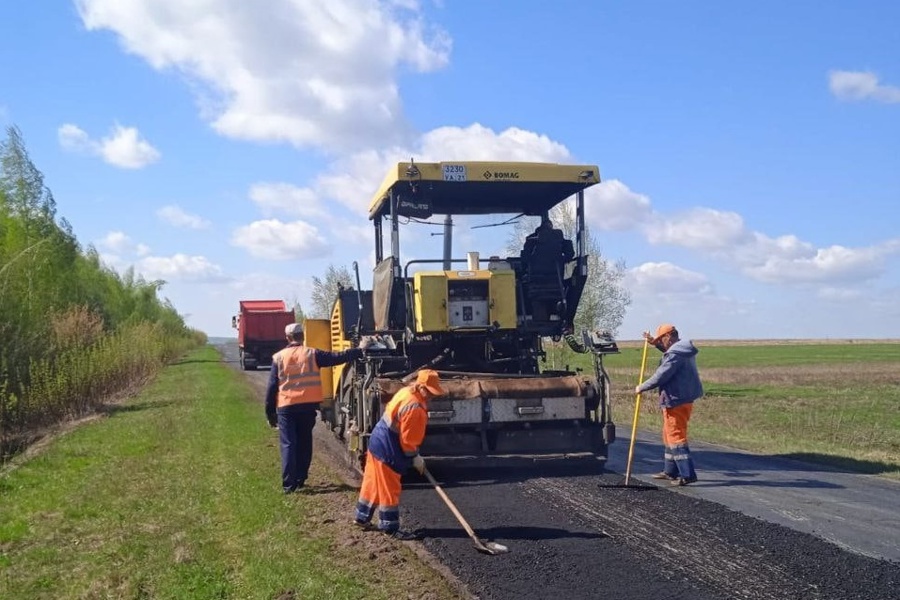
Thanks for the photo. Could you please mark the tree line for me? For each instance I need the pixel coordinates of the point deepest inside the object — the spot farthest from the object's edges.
(74, 332)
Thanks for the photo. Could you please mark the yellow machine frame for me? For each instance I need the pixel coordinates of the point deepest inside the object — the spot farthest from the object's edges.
(431, 291)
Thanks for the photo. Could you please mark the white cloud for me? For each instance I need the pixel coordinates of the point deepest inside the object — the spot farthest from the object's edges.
(179, 267)
(723, 235)
(127, 149)
(665, 278)
(611, 206)
(861, 85)
(124, 147)
(273, 239)
(353, 179)
(477, 142)
(699, 229)
(275, 197)
(177, 217)
(760, 248)
(74, 139)
(835, 264)
(267, 285)
(115, 246)
(116, 241)
(309, 72)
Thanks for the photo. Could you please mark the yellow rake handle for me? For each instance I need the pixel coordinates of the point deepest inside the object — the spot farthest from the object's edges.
(637, 409)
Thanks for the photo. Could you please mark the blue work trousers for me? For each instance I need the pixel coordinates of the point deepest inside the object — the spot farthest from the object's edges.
(295, 430)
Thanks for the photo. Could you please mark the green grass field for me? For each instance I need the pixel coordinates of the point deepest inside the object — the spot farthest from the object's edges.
(177, 495)
(833, 403)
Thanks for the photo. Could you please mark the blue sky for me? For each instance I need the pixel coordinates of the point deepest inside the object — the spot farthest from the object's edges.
(750, 152)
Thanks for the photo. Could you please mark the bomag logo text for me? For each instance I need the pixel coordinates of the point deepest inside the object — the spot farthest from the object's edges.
(501, 175)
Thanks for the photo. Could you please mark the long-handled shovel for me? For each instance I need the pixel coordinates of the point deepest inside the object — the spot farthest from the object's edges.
(481, 546)
(637, 408)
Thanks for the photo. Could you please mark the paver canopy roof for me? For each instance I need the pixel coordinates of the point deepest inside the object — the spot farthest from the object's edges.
(479, 188)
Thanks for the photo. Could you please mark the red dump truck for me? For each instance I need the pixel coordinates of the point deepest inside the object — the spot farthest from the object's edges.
(260, 326)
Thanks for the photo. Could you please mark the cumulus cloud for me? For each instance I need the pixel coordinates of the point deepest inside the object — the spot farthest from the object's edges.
(662, 278)
(724, 235)
(309, 72)
(285, 198)
(274, 239)
(180, 267)
(783, 259)
(612, 206)
(477, 142)
(117, 242)
(268, 285)
(352, 180)
(74, 139)
(833, 264)
(127, 149)
(861, 85)
(177, 217)
(699, 229)
(123, 147)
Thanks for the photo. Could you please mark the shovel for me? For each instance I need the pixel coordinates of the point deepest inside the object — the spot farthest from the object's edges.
(481, 546)
(637, 410)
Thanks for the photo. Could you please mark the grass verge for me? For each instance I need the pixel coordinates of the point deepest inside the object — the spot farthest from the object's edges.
(176, 495)
(833, 404)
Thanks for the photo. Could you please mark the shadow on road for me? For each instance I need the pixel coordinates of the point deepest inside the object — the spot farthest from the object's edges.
(843, 463)
(811, 484)
(738, 464)
(512, 533)
(467, 473)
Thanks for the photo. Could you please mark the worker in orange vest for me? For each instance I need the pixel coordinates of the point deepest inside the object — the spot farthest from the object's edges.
(393, 448)
(293, 395)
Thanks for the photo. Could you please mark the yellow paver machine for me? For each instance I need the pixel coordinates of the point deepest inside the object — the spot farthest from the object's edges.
(482, 324)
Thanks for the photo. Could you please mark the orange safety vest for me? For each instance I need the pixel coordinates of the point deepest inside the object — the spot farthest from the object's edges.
(403, 402)
(298, 376)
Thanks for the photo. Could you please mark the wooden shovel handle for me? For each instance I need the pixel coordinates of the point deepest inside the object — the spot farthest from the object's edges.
(450, 505)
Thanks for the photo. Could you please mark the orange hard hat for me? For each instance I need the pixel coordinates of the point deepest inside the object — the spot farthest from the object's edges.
(431, 381)
(661, 331)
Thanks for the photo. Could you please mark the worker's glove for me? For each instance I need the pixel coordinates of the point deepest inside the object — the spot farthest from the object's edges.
(272, 418)
(419, 464)
(365, 343)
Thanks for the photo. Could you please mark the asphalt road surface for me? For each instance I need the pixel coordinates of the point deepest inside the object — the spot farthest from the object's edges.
(753, 528)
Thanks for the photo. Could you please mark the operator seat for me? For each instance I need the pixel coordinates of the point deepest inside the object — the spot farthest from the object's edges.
(543, 260)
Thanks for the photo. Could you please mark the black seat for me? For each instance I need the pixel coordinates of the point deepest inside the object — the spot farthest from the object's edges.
(543, 259)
